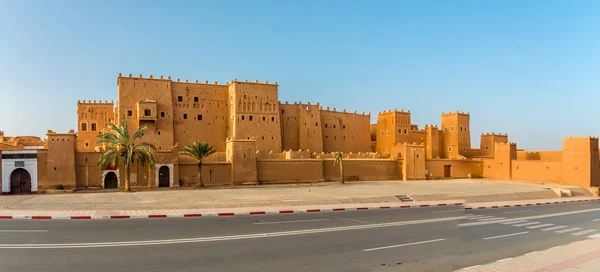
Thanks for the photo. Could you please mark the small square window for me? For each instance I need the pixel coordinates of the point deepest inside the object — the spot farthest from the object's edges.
(450, 148)
(325, 125)
(399, 131)
(464, 149)
(185, 116)
(199, 117)
(445, 129)
(147, 112)
(344, 127)
(272, 118)
(333, 126)
(195, 99)
(387, 133)
(405, 131)
(129, 113)
(93, 126)
(162, 114)
(180, 98)
(250, 117)
(487, 147)
(242, 118)
(466, 129)
(461, 128)
(451, 129)
(83, 126)
(264, 118)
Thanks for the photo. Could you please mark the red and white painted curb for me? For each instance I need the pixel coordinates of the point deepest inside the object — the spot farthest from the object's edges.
(496, 206)
(149, 216)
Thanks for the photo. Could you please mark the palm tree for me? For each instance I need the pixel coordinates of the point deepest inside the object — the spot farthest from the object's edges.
(198, 151)
(339, 159)
(142, 160)
(119, 145)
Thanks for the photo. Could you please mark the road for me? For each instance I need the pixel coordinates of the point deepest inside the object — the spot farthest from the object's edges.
(417, 239)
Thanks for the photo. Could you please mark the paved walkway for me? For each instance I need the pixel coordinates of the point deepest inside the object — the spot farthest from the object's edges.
(581, 256)
(283, 195)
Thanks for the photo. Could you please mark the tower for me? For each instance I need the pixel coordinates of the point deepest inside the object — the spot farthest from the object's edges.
(456, 135)
(92, 118)
(392, 127)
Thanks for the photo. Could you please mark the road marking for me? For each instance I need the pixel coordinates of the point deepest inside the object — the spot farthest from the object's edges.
(293, 221)
(23, 230)
(567, 230)
(461, 210)
(554, 228)
(518, 211)
(409, 244)
(526, 224)
(506, 235)
(494, 218)
(583, 232)
(226, 238)
(596, 219)
(594, 235)
(514, 222)
(540, 226)
(479, 223)
(484, 217)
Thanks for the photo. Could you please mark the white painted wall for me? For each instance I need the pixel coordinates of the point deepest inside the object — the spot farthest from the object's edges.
(8, 166)
(157, 168)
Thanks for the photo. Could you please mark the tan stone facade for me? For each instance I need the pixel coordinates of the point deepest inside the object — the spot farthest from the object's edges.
(258, 139)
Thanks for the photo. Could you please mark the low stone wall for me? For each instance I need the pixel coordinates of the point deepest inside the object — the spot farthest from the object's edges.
(288, 171)
(458, 168)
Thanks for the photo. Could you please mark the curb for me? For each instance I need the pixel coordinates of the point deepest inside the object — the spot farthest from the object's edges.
(222, 214)
(528, 204)
(520, 255)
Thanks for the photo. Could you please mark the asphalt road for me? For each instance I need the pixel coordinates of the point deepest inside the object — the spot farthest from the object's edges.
(419, 239)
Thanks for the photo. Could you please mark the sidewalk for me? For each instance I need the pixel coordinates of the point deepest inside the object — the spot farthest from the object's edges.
(581, 256)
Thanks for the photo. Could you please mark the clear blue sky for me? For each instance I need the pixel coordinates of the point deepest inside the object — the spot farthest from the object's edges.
(527, 68)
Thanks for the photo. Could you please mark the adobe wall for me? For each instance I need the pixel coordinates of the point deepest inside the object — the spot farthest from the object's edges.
(202, 114)
(455, 134)
(42, 167)
(305, 170)
(87, 171)
(255, 114)
(537, 170)
(539, 155)
(458, 168)
(580, 161)
(500, 167)
(60, 162)
(213, 173)
(345, 132)
(92, 117)
(301, 127)
(242, 156)
(373, 169)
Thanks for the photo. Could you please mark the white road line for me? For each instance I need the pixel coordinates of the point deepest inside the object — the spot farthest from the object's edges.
(567, 230)
(479, 223)
(495, 218)
(409, 244)
(596, 219)
(225, 238)
(583, 232)
(461, 210)
(518, 211)
(23, 230)
(554, 228)
(293, 221)
(506, 235)
(485, 217)
(526, 224)
(471, 216)
(540, 226)
(514, 222)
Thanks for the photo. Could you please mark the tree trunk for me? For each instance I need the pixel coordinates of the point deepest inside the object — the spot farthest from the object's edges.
(149, 172)
(342, 170)
(200, 175)
(127, 174)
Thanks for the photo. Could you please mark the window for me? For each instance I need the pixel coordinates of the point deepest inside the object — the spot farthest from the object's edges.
(162, 114)
(450, 149)
(405, 131)
(159, 133)
(250, 117)
(129, 113)
(466, 129)
(399, 131)
(461, 128)
(272, 118)
(316, 124)
(445, 129)
(335, 137)
(344, 127)
(243, 118)
(199, 117)
(147, 112)
(464, 149)
(382, 133)
(333, 126)
(451, 129)
(195, 99)
(264, 118)
(93, 126)
(487, 147)
(325, 125)
(180, 98)
(185, 116)
(387, 133)
(83, 126)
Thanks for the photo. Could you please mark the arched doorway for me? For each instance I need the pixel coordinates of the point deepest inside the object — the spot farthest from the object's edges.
(20, 182)
(164, 177)
(111, 180)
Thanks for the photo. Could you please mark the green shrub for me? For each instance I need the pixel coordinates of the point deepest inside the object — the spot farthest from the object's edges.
(60, 187)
